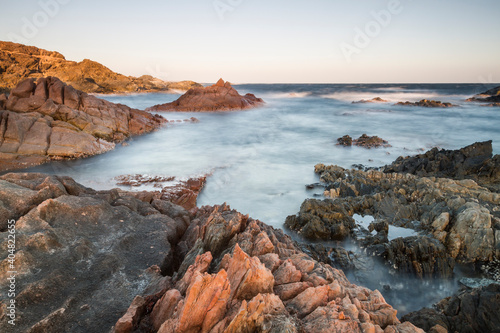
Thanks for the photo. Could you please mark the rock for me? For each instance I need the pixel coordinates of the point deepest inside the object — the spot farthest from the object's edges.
(185, 193)
(428, 104)
(472, 162)
(218, 97)
(20, 62)
(470, 311)
(363, 141)
(345, 141)
(76, 249)
(373, 100)
(491, 95)
(236, 293)
(50, 120)
(128, 322)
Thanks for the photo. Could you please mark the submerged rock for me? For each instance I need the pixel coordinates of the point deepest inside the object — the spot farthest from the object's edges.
(18, 62)
(48, 119)
(218, 97)
(428, 104)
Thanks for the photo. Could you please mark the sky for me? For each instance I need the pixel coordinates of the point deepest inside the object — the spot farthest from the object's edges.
(269, 41)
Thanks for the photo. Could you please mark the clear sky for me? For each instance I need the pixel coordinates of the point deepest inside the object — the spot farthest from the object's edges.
(269, 41)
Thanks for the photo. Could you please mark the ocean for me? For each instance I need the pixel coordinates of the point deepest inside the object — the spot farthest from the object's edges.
(260, 160)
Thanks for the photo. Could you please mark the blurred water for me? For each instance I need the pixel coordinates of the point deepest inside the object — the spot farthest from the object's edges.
(261, 159)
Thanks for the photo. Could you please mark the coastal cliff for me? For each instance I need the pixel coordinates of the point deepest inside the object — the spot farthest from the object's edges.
(18, 62)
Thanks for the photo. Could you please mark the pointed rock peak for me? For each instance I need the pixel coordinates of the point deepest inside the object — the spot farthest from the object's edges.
(220, 83)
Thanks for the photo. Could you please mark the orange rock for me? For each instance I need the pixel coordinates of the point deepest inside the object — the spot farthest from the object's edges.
(287, 273)
(290, 290)
(201, 264)
(308, 300)
(248, 276)
(165, 308)
(127, 323)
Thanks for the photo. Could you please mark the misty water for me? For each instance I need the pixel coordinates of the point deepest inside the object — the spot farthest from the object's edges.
(260, 160)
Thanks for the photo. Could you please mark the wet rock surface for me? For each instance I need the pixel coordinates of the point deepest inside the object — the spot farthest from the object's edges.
(428, 104)
(364, 140)
(48, 119)
(472, 162)
(218, 97)
(18, 62)
(458, 220)
(471, 310)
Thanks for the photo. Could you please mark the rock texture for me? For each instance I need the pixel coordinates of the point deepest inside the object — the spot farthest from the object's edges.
(218, 97)
(473, 311)
(364, 140)
(461, 218)
(87, 260)
(472, 162)
(491, 96)
(18, 62)
(48, 119)
(428, 104)
(239, 275)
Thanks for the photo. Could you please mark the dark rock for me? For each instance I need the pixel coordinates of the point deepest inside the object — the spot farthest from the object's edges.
(473, 310)
(428, 104)
(363, 141)
(373, 100)
(491, 95)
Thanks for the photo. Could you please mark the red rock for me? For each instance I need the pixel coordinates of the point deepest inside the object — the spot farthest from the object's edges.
(24, 89)
(248, 276)
(218, 97)
(165, 308)
(127, 323)
(287, 273)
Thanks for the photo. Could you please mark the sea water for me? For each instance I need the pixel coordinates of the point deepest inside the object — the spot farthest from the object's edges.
(260, 160)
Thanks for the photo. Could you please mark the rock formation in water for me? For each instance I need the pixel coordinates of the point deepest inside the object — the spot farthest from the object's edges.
(48, 119)
(18, 62)
(461, 218)
(428, 104)
(363, 141)
(472, 162)
(373, 100)
(87, 260)
(218, 97)
(491, 96)
(471, 310)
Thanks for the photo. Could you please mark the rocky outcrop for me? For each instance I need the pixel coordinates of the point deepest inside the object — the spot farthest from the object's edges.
(363, 141)
(239, 275)
(218, 97)
(472, 162)
(471, 310)
(491, 96)
(428, 104)
(461, 218)
(88, 260)
(18, 62)
(48, 119)
(373, 100)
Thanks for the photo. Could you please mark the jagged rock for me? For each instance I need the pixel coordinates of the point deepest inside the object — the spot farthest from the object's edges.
(473, 310)
(50, 120)
(428, 104)
(475, 162)
(18, 62)
(218, 97)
